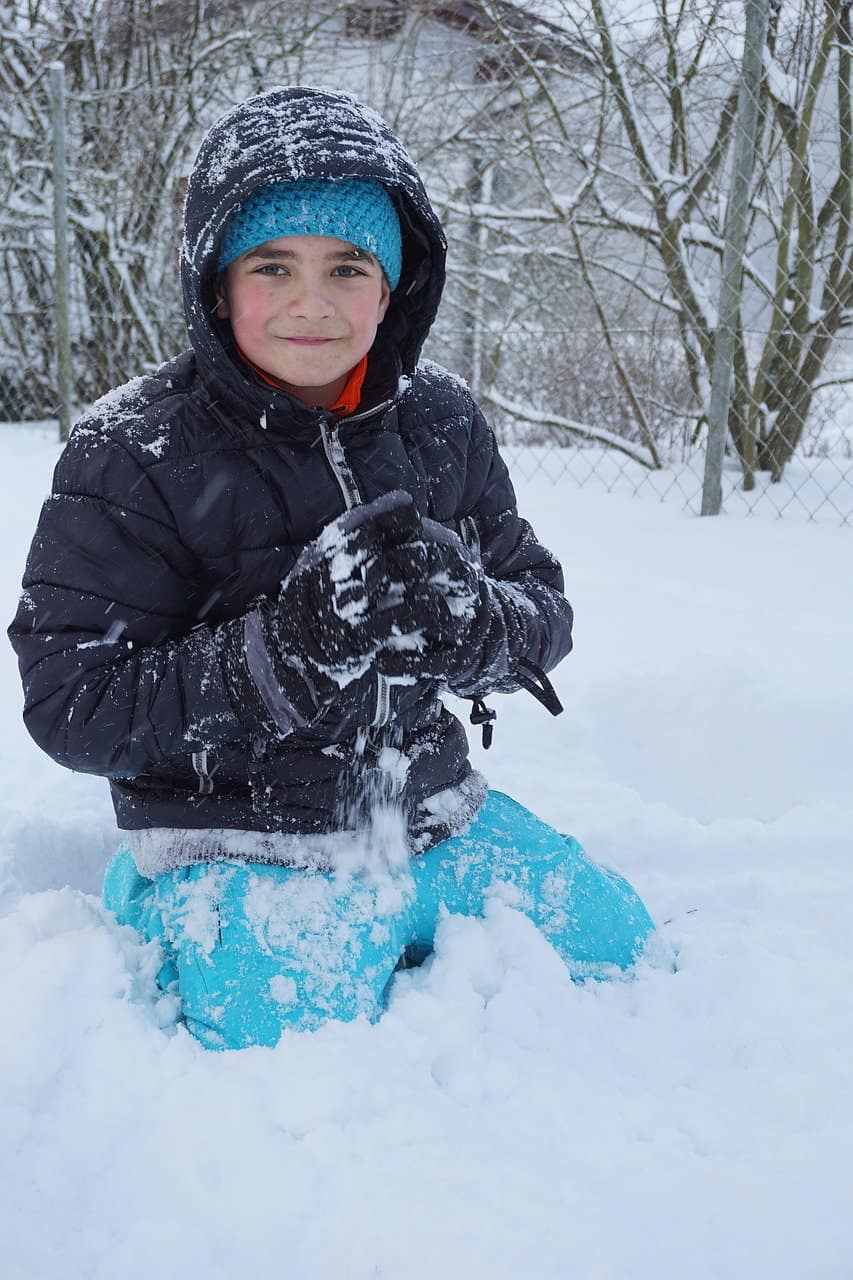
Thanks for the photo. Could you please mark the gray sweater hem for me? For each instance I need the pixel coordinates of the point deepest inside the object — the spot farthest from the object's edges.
(438, 817)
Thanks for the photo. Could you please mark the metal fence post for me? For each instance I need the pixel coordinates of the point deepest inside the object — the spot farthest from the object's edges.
(736, 228)
(64, 380)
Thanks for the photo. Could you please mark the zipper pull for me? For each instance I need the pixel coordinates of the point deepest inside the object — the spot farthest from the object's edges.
(485, 716)
(205, 779)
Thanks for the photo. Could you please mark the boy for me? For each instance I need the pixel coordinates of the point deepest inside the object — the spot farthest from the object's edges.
(256, 571)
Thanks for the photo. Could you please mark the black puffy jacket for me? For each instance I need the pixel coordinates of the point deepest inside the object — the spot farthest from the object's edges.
(183, 496)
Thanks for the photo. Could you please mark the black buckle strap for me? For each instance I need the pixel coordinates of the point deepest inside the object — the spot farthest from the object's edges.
(481, 714)
(538, 684)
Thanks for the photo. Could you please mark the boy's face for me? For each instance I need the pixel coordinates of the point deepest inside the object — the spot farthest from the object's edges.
(287, 291)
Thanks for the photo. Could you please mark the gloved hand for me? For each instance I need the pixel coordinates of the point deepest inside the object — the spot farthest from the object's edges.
(345, 598)
(482, 639)
(466, 645)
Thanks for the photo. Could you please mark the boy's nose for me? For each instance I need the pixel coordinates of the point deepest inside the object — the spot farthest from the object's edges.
(310, 300)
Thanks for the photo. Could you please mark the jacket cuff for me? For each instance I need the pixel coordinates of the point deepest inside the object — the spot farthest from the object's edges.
(503, 637)
(268, 679)
(268, 692)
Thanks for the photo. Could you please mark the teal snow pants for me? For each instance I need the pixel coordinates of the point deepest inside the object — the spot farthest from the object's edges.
(258, 949)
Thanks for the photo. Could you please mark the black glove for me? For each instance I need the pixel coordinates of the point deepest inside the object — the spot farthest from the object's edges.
(288, 659)
(479, 642)
(467, 645)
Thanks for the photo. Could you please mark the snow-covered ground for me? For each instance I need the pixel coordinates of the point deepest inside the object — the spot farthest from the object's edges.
(498, 1121)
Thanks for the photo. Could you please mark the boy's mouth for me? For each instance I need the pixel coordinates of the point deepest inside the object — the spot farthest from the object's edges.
(310, 342)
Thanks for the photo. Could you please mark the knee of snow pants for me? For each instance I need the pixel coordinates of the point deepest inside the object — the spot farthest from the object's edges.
(590, 915)
(258, 950)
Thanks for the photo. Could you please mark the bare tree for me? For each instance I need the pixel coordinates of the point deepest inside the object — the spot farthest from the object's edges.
(804, 202)
(143, 80)
(649, 210)
(581, 168)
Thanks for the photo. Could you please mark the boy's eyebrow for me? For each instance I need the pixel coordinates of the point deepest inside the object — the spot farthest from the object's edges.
(337, 255)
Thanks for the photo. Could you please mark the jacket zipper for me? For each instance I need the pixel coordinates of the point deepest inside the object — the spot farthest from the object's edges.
(469, 533)
(258, 786)
(383, 702)
(368, 413)
(480, 713)
(336, 459)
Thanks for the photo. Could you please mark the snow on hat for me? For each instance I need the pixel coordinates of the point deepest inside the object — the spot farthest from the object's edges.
(359, 210)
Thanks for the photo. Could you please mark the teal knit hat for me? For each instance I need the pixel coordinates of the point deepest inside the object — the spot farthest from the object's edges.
(359, 210)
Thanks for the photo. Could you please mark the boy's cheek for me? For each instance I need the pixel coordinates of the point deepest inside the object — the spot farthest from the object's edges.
(365, 315)
(248, 314)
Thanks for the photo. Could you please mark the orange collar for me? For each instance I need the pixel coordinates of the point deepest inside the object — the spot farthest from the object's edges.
(346, 402)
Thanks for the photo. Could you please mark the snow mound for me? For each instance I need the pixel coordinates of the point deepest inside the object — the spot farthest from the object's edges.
(498, 1121)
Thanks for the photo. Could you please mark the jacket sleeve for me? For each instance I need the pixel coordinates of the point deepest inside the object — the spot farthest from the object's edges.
(532, 619)
(115, 676)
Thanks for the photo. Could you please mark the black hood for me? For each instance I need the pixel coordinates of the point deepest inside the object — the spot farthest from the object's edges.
(305, 132)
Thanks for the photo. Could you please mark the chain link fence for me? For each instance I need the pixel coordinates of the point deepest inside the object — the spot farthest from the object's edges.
(583, 168)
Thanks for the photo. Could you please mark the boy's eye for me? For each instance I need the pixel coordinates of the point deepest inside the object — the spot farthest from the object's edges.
(269, 268)
(275, 268)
